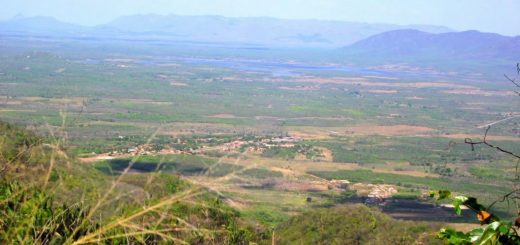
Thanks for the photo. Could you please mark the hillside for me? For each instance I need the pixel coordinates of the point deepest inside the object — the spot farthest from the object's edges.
(46, 198)
(352, 224)
(453, 45)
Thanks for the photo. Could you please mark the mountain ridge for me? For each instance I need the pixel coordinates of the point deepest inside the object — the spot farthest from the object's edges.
(413, 43)
(264, 31)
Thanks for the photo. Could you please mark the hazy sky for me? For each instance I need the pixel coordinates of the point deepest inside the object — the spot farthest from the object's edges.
(501, 16)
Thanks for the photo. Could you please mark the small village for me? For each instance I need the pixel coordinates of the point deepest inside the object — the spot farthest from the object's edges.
(374, 194)
(202, 145)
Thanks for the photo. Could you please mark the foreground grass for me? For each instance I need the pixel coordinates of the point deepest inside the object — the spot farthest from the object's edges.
(48, 198)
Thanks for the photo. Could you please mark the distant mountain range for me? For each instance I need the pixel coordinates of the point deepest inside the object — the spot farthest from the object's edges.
(39, 25)
(261, 31)
(354, 40)
(453, 45)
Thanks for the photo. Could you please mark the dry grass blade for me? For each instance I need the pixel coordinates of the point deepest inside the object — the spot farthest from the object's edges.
(118, 222)
(100, 202)
(132, 234)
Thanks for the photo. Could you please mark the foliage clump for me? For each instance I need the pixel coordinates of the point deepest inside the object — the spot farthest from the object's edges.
(350, 224)
(493, 230)
(28, 215)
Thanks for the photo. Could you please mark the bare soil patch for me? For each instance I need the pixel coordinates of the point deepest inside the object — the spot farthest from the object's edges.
(224, 116)
(479, 92)
(13, 110)
(384, 130)
(300, 186)
(327, 154)
(364, 81)
(178, 84)
(382, 77)
(415, 98)
(301, 88)
(392, 130)
(97, 158)
(380, 91)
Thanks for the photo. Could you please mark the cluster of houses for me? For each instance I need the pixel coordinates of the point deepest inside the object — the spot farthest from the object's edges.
(262, 145)
(148, 149)
(253, 146)
(380, 194)
(339, 184)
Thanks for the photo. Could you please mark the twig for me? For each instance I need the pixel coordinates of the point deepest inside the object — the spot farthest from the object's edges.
(503, 199)
(512, 80)
(485, 142)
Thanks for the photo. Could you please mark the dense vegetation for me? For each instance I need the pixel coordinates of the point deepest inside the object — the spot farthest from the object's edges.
(351, 224)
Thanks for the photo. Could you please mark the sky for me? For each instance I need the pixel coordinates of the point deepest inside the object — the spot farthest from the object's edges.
(499, 16)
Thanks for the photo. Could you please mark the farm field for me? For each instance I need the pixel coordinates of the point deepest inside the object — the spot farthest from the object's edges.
(272, 136)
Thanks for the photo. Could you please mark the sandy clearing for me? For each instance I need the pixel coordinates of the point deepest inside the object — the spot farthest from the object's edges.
(363, 81)
(479, 92)
(304, 167)
(13, 110)
(300, 186)
(99, 158)
(415, 98)
(380, 91)
(310, 134)
(327, 154)
(286, 172)
(384, 130)
(472, 108)
(414, 173)
(32, 99)
(301, 88)
(392, 130)
(178, 84)
(382, 77)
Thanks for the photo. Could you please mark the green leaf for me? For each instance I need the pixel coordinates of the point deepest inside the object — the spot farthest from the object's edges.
(504, 229)
(476, 234)
(489, 237)
(457, 202)
(494, 226)
(432, 194)
(441, 194)
(453, 236)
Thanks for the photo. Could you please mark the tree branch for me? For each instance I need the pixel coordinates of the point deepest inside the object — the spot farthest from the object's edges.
(485, 142)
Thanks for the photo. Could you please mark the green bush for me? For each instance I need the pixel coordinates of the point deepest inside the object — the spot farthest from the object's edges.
(351, 224)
